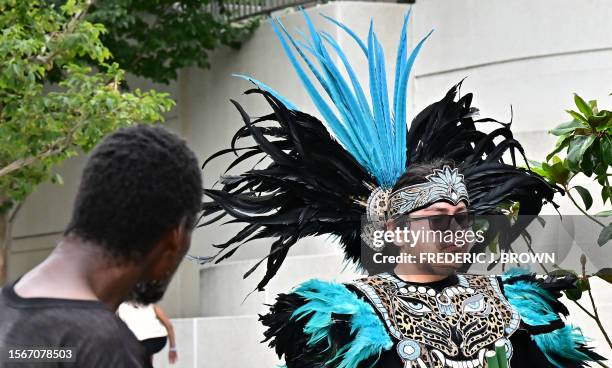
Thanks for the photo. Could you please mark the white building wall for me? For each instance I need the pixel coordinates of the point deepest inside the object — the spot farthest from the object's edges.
(529, 54)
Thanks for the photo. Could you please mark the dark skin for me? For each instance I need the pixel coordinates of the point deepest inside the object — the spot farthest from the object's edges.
(80, 270)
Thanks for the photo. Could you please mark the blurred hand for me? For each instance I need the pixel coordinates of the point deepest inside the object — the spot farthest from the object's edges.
(172, 357)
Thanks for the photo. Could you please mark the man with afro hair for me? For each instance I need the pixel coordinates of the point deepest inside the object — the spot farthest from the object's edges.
(131, 225)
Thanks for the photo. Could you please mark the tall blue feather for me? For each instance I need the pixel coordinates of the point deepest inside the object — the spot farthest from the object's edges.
(373, 133)
(263, 86)
(324, 298)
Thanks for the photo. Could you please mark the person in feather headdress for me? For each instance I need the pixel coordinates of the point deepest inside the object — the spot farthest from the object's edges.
(364, 162)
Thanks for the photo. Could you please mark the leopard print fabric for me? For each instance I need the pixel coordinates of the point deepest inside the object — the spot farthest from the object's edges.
(452, 327)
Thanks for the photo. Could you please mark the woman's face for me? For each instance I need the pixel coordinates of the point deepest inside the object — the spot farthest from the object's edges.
(429, 232)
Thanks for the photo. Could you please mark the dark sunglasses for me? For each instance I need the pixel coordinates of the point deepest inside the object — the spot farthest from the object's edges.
(440, 222)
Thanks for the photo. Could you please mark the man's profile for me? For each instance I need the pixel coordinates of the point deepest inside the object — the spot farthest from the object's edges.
(131, 225)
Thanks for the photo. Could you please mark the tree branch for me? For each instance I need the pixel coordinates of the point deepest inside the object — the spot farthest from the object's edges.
(584, 309)
(597, 320)
(15, 212)
(24, 162)
(74, 21)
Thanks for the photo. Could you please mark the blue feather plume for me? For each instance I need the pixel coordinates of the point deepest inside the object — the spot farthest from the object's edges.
(373, 132)
(534, 306)
(562, 343)
(324, 298)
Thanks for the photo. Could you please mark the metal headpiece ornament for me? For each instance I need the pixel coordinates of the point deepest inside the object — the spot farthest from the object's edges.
(444, 184)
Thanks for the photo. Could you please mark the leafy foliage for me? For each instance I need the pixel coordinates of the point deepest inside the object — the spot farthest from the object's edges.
(155, 38)
(605, 274)
(587, 142)
(41, 124)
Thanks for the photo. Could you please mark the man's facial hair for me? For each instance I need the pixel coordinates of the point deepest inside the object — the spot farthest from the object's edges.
(148, 292)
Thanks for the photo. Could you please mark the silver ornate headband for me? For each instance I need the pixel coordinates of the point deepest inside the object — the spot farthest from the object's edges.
(444, 184)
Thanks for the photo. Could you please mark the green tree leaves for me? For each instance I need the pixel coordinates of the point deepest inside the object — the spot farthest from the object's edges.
(585, 195)
(154, 39)
(605, 235)
(584, 108)
(42, 124)
(605, 274)
(587, 141)
(576, 150)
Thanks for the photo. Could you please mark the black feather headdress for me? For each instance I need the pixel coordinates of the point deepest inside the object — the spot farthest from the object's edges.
(318, 176)
(312, 186)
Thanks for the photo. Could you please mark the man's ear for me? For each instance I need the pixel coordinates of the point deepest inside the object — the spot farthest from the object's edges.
(166, 254)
